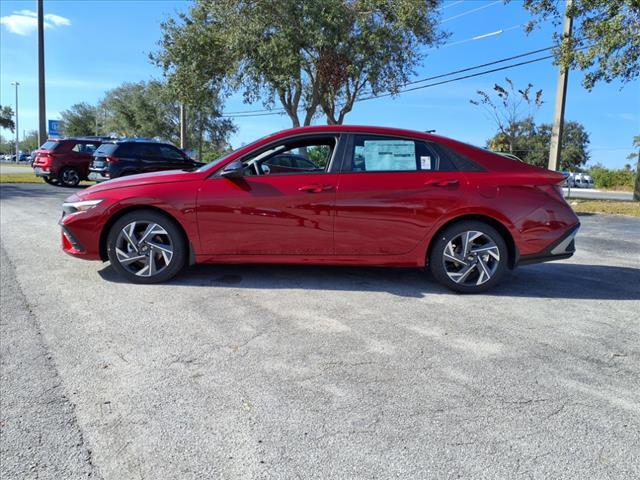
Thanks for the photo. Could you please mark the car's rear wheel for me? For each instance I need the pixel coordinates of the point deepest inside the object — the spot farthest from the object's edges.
(146, 247)
(69, 177)
(469, 257)
(51, 180)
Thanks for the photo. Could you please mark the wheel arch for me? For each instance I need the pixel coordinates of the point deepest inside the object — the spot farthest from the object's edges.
(502, 229)
(120, 213)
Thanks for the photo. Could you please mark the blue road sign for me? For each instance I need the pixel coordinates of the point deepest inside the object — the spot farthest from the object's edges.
(55, 128)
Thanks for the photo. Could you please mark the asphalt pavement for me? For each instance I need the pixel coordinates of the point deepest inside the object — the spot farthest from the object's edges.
(315, 372)
(594, 194)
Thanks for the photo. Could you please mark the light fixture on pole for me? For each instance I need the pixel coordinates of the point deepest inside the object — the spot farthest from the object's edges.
(17, 130)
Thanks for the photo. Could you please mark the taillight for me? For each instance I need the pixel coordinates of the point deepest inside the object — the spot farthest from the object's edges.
(113, 159)
(44, 160)
(552, 190)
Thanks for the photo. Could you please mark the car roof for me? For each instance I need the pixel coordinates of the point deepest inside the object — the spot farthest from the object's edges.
(357, 129)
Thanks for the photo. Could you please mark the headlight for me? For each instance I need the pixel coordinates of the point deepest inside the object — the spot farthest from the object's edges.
(81, 206)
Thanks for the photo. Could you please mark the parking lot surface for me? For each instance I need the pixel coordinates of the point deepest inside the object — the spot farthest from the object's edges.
(308, 372)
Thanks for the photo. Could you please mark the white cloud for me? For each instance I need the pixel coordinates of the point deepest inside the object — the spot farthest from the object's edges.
(25, 22)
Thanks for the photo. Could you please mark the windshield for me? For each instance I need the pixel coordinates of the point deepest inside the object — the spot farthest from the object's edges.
(49, 145)
(217, 161)
(106, 149)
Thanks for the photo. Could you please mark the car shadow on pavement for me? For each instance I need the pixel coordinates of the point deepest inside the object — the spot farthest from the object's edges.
(551, 280)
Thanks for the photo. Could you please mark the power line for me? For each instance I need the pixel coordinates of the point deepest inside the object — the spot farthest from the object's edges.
(469, 12)
(279, 111)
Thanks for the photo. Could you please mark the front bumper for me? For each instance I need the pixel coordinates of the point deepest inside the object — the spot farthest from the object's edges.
(80, 235)
(561, 249)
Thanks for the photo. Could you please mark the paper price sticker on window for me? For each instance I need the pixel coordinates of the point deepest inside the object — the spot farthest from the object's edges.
(425, 163)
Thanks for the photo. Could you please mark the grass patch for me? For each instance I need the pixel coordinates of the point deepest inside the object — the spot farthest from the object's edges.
(613, 207)
(19, 178)
(28, 178)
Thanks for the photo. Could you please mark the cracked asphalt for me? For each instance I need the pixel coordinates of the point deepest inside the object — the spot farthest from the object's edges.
(304, 372)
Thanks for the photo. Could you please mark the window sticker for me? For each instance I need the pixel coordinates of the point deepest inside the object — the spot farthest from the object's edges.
(425, 162)
(389, 155)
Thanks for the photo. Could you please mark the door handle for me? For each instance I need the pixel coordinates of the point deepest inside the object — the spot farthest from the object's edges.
(315, 188)
(441, 183)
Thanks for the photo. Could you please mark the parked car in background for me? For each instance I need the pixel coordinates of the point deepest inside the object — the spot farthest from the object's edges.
(118, 158)
(582, 180)
(65, 161)
(384, 197)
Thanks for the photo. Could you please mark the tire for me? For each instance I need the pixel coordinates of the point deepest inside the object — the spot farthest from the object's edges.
(51, 180)
(150, 263)
(474, 270)
(69, 177)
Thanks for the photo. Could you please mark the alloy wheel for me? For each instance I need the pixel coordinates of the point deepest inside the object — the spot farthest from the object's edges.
(144, 248)
(70, 177)
(471, 258)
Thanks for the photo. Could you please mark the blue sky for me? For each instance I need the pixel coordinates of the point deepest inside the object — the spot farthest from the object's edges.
(92, 46)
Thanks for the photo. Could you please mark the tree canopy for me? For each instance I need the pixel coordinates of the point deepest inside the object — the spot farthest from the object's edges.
(6, 118)
(532, 143)
(511, 109)
(305, 54)
(606, 37)
(79, 119)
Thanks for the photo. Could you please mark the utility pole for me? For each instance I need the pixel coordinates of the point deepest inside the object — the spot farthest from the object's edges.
(42, 109)
(561, 97)
(183, 126)
(636, 188)
(17, 126)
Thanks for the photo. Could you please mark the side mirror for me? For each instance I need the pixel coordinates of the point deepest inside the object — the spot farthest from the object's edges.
(233, 170)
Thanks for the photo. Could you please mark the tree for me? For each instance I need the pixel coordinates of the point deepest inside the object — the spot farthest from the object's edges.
(80, 119)
(606, 40)
(30, 142)
(532, 144)
(511, 109)
(149, 109)
(6, 118)
(305, 54)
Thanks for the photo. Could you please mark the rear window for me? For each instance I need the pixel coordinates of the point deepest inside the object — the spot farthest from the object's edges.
(106, 149)
(49, 145)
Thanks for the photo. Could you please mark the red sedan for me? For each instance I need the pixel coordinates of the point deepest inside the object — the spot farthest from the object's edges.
(366, 196)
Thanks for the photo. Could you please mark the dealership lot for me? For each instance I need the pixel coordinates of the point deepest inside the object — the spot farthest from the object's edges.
(307, 372)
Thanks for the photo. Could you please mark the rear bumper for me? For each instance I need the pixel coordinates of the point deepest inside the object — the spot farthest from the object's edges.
(98, 176)
(41, 172)
(561, 249)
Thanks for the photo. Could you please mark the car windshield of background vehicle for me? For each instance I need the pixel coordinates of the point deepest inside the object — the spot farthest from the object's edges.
(106, 149)
(49, 145)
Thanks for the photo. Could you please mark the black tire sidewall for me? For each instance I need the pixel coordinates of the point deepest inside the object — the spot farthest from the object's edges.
(435, 256)
(179, 242)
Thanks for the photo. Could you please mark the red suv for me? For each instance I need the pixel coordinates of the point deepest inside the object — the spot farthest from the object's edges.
(66, 161)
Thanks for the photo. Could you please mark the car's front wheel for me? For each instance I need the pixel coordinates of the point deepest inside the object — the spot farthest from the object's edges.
(469, 257)
(146, 247)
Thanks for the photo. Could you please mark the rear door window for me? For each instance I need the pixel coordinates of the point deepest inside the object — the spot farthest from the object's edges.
(89, 148)
(371, 153)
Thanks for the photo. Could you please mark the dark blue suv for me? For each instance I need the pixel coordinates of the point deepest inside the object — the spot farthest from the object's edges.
(127, 157)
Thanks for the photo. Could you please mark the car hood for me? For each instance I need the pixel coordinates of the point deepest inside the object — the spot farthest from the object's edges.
(167, 176)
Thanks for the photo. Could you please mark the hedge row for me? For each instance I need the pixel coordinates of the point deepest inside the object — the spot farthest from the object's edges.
(605, 178)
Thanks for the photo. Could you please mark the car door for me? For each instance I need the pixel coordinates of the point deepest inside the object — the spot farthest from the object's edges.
(390, 193)
(269, 214)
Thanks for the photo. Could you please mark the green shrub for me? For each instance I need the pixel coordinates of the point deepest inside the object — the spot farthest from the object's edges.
(606, 178)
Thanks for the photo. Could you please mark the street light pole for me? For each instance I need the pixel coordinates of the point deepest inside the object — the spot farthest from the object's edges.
(17, 126)
(42, 111)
